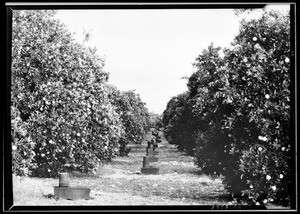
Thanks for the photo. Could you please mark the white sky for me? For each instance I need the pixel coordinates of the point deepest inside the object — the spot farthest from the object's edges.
(151, 50)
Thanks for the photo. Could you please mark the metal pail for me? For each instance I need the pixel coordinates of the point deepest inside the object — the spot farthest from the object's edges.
(64, 179)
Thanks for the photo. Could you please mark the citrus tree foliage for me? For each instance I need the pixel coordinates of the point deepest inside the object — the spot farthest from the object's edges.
(60, 107)
(155, 120)
(179, 124)
(133, 113)
(241, 105)
(187, 117)
(23, 145)
(209, 98)
(138, 118)
(259, 72)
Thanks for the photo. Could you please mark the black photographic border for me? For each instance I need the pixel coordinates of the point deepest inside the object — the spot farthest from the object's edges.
(6, 155)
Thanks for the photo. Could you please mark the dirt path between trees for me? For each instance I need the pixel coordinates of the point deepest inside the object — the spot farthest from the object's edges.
(120, 182)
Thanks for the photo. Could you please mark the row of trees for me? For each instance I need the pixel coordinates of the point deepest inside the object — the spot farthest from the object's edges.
(235, 116)
(64, 114)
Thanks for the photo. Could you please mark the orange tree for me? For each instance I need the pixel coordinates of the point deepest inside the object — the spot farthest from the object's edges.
(207, 88)
(255, 132)
(134, 116)
(192, 114)
(61, 115)
(259, 73)
(179, 123)
(138, 117)
(241, 105)
(155, 120)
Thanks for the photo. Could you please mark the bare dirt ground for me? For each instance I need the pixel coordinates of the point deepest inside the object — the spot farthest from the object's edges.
(120, 182)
